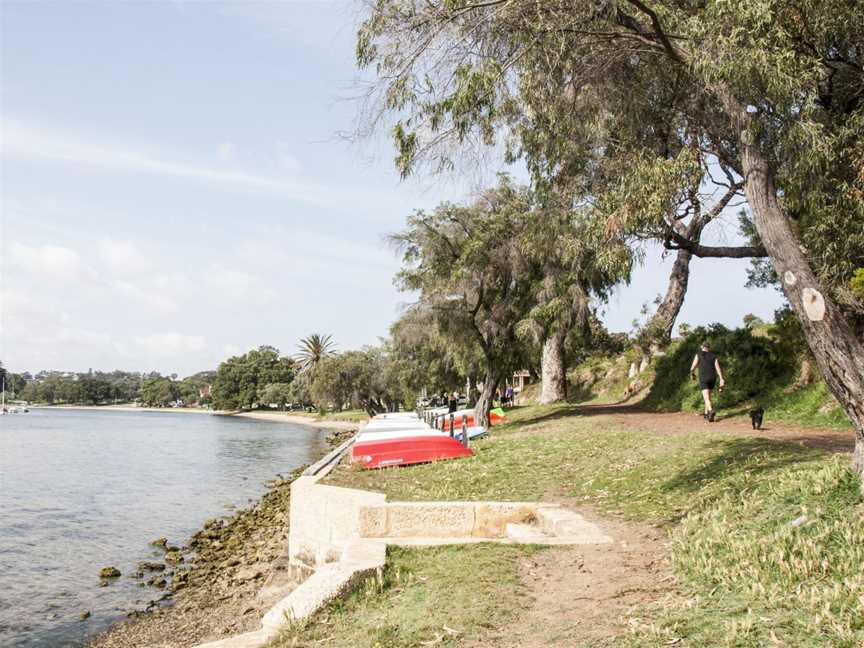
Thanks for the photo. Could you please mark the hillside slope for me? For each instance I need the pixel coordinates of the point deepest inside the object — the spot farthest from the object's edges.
(766, 366)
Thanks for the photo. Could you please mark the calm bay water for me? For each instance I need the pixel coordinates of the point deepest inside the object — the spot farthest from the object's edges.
(83, 489)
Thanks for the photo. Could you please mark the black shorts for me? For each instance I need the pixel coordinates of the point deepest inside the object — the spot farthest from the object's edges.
(708, 383)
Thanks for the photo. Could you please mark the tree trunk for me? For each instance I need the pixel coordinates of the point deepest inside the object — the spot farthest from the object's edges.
(484, 402)
(839, 354)
(667, 312)
(553, 386)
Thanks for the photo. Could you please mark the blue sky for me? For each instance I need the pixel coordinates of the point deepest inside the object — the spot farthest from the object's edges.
(174, 190)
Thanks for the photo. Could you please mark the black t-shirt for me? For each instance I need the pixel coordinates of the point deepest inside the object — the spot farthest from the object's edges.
(452, 405)
(707, 368)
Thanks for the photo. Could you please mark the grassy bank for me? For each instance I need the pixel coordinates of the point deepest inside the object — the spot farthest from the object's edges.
(430, 596)
(748, 577)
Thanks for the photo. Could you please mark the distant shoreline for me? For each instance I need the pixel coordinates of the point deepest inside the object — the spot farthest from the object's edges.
(277, 417)
(123, 408)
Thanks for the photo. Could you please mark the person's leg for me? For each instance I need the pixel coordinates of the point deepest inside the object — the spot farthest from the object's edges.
(706, 396)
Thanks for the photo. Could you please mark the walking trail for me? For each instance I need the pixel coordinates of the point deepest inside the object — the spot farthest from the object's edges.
(588, 595)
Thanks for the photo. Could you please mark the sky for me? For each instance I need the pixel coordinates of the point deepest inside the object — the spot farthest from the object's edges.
(174, 190)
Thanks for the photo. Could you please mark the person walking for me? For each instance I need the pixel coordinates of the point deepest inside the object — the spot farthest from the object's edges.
(453, 403)
(709, 373)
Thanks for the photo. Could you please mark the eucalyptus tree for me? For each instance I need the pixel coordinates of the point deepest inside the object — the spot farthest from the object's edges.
(574, 265)
(467, 265)
(421, 357)
(771, 89)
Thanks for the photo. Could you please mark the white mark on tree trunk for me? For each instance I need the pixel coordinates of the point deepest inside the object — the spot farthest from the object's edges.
(790, 278)
(633, 372)
(644, 364)
(814, 304)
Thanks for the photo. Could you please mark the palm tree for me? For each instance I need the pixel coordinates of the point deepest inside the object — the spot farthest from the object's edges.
(314, 349)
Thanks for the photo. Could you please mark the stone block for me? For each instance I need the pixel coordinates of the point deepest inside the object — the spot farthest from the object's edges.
(430, 519)
(373, 521)
(491, 518)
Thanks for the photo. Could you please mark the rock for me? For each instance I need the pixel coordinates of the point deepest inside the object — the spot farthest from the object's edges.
(137, 574)
(151, 566)
(157, 581)
(109, 572)
(247, 574)
(170, 548)
(84, 615)
(174, 557)
(159, 542)
(798, 521)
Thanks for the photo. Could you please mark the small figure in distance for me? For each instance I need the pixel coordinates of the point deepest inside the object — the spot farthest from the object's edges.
(756, 416)
(709, 372)
(453, 403)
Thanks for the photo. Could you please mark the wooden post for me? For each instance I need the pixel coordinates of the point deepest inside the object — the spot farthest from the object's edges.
(452, 429)
(464, 430)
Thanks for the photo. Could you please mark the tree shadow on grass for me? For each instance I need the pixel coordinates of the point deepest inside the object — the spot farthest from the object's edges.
(732, 458)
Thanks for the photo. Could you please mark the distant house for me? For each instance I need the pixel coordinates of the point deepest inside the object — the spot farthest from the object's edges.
(204, 392)
(519, 380)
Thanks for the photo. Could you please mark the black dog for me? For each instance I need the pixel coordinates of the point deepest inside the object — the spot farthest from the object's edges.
(756, 418)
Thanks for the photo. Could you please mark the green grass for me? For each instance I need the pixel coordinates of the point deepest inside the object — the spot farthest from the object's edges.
(748, 578)
(426, 596)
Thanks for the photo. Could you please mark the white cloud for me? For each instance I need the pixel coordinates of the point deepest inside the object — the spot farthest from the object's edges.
(168, 344)
(226, 151)
(36, 143)
(52, 260)
(235, 285)
(122, 257)
(150, 298)
(286, 160)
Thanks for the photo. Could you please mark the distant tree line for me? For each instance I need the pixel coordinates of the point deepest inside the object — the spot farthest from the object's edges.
(108, 388)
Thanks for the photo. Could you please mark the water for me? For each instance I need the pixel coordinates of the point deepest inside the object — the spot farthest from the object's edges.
(83, 489)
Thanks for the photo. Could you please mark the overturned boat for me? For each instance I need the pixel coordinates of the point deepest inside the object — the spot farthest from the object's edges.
(389, 440)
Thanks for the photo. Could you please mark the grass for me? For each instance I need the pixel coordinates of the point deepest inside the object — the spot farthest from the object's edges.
(429, 596)
(748, 577)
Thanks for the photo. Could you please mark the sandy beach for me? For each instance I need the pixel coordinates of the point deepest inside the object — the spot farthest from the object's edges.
(278, 417)
(300, 420)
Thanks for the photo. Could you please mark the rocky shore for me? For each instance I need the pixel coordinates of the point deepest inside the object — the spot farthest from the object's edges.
(220, 583)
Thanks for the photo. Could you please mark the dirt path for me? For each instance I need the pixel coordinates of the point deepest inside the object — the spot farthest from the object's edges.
(584, 595)
(588, 595)
(630, 416)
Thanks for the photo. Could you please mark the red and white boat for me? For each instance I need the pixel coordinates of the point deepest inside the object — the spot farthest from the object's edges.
(494, 419)
(401, 441)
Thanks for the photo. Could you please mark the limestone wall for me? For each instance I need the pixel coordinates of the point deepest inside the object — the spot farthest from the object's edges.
(443, 519)
(324, 520)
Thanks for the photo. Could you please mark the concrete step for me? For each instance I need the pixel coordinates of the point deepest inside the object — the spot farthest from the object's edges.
(562, 523)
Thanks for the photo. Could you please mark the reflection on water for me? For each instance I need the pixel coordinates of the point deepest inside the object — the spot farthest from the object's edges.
(83, 489)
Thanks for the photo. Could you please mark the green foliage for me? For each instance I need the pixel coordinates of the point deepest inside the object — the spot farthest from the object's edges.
(356, 379)
(159, 392)
(421, 358)
(856, 284)
(314, 349)
(239, 379)
(278, 394)
(474, 281)
(751, 365)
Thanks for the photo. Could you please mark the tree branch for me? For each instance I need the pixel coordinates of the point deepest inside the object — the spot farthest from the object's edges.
(675, 241)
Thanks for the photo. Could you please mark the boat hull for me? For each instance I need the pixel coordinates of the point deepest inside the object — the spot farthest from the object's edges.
(407, 450)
